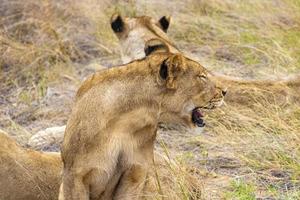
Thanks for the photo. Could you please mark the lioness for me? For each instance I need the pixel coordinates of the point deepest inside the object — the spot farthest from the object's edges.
(108, 143)
(27, 174)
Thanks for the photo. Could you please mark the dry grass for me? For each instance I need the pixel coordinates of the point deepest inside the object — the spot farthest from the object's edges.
(250, 148)
(255, 39)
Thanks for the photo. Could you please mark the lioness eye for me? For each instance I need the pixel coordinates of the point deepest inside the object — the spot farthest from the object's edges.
(202, 77)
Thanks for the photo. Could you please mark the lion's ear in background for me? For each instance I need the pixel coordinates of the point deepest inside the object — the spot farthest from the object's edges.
(154, 46)
(164, 23)
(117, 23)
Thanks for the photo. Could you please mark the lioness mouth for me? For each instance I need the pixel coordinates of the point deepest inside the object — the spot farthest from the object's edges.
(197, 116)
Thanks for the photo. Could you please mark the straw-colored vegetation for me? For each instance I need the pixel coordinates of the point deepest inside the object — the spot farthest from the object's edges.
(250, 148)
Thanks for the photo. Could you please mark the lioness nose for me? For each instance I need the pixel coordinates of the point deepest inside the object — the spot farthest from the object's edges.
(224, 92)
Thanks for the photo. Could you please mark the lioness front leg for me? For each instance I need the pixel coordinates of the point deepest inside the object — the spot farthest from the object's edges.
(73, 188)
(132, 183)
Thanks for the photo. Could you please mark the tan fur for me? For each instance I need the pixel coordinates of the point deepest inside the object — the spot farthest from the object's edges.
(27, 174)
(108, 144)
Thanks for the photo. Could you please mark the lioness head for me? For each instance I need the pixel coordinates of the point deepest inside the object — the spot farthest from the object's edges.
(188, 88)
(189, 91)
(134, 32)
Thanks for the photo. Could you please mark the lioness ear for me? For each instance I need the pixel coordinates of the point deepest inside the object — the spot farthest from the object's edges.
(117, 23)
(155, 45)
(163, 71)
(164, 23)
(170, 69)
